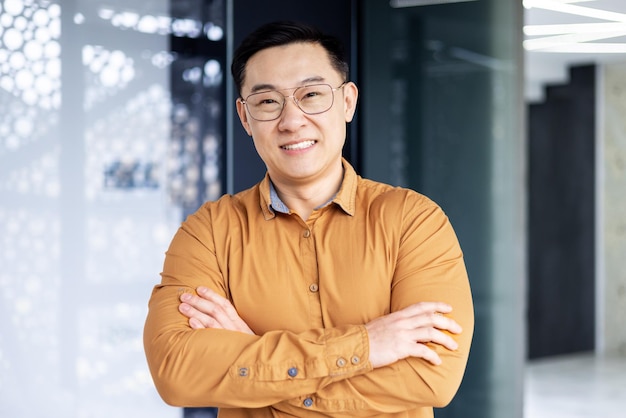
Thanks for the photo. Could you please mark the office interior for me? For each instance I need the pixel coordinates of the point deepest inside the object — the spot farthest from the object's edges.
(117, 121)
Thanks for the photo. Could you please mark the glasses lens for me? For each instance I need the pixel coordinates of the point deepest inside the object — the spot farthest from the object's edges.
(266, 105)
(314, 99)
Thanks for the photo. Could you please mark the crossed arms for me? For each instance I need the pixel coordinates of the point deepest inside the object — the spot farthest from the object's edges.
(202, 352)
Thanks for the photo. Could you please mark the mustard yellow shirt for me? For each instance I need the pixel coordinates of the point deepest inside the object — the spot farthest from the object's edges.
(307, 289)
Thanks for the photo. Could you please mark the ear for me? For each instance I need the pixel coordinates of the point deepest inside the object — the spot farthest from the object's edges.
(350, 96)
(243, 116)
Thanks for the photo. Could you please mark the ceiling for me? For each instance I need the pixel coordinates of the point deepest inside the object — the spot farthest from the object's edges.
(591, 27)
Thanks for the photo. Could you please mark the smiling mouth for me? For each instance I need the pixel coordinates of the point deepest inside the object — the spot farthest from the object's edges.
(298, 146)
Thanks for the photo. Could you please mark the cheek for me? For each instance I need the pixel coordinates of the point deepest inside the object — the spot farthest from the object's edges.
(260, 141)
(257, 132)
(338, 125)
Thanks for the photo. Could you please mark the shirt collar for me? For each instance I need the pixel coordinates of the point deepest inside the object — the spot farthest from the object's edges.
(275, 201)
(345, 197)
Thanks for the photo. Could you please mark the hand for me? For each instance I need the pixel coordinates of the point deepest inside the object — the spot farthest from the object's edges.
(210, 310)
(405, 333)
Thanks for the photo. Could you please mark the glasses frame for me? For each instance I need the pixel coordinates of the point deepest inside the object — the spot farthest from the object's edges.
(293, 96)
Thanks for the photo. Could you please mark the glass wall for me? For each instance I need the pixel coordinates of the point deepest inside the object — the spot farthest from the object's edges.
(441, 113)
(111, 130)
(112, 127)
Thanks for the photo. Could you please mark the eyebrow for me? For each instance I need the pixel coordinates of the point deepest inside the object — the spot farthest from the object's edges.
(264, 87)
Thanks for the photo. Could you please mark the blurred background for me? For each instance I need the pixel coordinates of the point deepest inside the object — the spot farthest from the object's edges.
(117, 120)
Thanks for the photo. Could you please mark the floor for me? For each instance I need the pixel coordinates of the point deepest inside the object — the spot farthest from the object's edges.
(576, 386)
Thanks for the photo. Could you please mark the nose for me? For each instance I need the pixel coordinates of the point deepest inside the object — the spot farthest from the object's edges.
(292, 116)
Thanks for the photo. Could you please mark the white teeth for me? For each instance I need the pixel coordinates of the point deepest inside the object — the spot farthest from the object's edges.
(299, 145)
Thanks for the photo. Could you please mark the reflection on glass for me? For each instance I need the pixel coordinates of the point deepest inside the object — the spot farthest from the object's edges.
(96, 172)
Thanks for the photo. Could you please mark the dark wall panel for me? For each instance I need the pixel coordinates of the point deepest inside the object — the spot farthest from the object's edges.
(331, 16)
(561, 295)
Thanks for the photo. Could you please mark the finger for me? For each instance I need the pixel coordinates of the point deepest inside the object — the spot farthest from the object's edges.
(445, 323)
(194, 323)
(209, 310)
(191, 307)
(432, 335)
(197, 319)
(223, 311)
(420, 317)
(205, 306)
(426, 353)
(219, 309)
(424, 307)
(224, 304)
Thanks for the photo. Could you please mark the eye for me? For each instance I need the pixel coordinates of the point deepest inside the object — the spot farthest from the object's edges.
(267, 100)
(311, 93)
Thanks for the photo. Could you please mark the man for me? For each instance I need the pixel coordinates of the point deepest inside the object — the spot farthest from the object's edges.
(316, 292)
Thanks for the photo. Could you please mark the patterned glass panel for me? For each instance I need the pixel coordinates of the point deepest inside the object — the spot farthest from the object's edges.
(111, 130)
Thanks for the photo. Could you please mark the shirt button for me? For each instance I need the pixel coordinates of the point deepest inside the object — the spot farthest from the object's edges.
(293, 372)
(314, 288)
(341, 362)
(243, 371)
(308, 402)
(355, 359)
(306, 233)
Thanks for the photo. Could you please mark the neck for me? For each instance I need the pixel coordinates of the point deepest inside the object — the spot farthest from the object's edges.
(304, 197)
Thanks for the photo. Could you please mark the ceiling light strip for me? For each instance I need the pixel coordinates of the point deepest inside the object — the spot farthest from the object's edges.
(573, 38)
(592, 48)
(575, 10)
(545, 30)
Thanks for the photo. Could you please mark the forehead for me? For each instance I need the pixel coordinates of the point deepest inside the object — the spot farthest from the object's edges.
(289, 66)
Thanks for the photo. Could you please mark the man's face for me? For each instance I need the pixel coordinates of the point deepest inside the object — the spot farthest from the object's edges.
(297, 148)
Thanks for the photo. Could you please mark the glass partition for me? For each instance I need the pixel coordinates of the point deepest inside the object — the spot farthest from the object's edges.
(111, 130)
(441, 112)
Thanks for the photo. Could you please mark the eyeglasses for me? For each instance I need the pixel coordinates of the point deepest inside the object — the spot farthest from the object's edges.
(312, 100)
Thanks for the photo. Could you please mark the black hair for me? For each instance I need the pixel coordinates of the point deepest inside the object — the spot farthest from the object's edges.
(284, 33)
